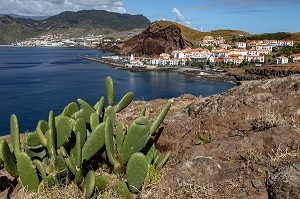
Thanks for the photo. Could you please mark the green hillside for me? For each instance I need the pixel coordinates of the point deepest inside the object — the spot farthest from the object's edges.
(70, 23)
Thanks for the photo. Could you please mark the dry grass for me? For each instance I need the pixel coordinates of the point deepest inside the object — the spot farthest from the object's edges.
(185, 190)
(266, 120)
(72, 191)
(281, 155)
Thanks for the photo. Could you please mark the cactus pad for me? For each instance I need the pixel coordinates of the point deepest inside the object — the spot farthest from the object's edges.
(15, 134)
(136, 171)
(8, 159)
(94, 142)
(124, 102)
(89, 184)
(85, 111)
(27, 172)
(136, 138)
(109, 91)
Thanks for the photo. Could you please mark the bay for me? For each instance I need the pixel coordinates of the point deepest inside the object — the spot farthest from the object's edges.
(35, 80)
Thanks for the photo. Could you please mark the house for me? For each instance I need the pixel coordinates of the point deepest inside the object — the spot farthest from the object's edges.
(220, 40)
(286, 42)
(295, 57)
(241, 44)
(164, 56)
(255, 58)
(234, 60)
(177, 54)
(243, 52)
(281, 60)
(254, 52)
(264, 47)
(273, 43)
(225, 46)
(206, 44)
(220, 53)
(208, 39)
(255, 42)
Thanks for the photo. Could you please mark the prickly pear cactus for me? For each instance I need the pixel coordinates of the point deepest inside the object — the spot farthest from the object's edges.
(159, 119)
(122, 190)
(70, 109)
(15, 135)
(89, 184)
(136, 171)
(94, 142)
(101, 182)
(109, 140)
(136, 138)
(27, 172)
(85, 111)
(124, 102)
(109, 91)
(64, 127)
(8, 159)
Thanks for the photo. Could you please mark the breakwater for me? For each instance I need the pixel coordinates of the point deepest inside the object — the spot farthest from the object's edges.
(103, 61)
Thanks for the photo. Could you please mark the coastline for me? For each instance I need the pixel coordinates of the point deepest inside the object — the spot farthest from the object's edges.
(194, 73)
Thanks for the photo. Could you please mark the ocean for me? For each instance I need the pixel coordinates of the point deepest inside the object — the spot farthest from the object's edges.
(35, 80)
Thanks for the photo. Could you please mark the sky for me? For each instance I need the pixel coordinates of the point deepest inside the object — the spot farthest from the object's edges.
(253, 16)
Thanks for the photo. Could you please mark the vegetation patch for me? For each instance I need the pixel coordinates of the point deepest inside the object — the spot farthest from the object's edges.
(73, 146)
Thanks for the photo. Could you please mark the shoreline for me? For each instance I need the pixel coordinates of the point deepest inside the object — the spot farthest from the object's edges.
(195, 73)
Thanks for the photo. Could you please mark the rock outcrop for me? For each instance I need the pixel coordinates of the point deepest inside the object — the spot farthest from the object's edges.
(158, 38)
(270, 71)
(255, 130)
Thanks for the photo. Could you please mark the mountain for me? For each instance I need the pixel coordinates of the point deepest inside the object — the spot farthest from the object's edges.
(12, 29)
(159, 37)
(26, 17)
(69, 23)
(165, 36)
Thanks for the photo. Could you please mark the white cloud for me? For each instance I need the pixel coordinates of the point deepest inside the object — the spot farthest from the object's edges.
(180, 18)
(52, 7)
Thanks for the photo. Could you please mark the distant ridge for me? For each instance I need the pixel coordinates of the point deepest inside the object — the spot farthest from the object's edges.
(69, 23)
(25, 17)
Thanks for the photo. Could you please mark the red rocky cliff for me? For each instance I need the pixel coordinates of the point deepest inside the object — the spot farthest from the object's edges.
(158, 38)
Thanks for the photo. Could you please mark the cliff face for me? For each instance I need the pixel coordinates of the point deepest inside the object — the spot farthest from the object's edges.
(156, 39)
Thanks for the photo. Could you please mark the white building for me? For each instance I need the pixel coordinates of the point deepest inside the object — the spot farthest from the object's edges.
(241, 44)
(264, 47)
(255, 58)
(281, 60)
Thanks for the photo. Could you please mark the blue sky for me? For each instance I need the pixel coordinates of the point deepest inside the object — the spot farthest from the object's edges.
(254, 16)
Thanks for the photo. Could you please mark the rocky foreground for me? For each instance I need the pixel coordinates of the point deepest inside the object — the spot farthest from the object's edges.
(254, 147)
(244, 143)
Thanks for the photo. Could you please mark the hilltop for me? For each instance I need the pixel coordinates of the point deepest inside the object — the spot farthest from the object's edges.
(74, 24)
(164, 36)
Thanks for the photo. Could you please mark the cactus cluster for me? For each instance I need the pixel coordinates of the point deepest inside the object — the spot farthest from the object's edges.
(64, 145)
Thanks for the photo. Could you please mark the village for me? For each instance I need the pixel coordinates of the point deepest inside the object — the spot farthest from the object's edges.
(216, 51)
(210, 51)
(52, 40)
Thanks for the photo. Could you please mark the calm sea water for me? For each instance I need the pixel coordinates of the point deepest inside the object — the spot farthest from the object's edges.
(34, 81)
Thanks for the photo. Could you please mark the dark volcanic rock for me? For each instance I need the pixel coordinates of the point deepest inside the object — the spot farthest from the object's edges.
(255, 129)
(156, 39)
(284, 183)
